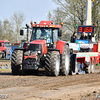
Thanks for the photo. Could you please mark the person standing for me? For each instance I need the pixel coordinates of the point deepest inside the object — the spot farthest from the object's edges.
(73, 37)
(83, 37)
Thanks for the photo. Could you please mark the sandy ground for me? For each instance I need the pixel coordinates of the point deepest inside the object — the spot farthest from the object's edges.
(2, 63)
(41, 87)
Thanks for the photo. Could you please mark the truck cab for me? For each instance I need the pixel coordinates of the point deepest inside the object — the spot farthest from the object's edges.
(4, 46)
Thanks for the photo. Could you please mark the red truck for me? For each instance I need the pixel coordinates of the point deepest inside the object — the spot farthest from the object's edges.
(3, 46)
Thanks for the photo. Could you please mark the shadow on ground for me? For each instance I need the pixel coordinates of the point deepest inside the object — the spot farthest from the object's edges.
(5, 73)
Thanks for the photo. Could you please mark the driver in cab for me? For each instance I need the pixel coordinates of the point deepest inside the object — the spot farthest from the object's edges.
(44, 33)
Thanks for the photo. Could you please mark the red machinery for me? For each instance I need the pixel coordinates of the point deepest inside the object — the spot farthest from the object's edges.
(43, 50)
(3, 47)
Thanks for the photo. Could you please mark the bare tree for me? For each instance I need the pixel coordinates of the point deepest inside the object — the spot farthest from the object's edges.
(1, 29)
(96, 15)
(74, 12)
(17, 20)
(7, 31)
(9, 28)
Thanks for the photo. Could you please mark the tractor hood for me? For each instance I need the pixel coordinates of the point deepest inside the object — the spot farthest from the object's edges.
(42, 43)
(38, 42)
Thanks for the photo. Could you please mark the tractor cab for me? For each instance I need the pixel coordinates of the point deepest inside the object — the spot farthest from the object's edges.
(48, 34)
(45, 30)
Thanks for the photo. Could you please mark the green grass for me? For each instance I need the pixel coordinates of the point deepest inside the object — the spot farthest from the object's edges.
(5, 60)
(98, 64)
(4, 69)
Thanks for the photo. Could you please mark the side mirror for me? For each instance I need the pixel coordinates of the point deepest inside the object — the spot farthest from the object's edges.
(21, 32)
(60, 33)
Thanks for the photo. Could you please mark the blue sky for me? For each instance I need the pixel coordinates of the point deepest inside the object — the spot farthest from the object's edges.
(34, 10)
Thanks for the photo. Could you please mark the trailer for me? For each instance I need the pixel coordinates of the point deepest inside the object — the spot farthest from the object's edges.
(84, 62)
(86, 53)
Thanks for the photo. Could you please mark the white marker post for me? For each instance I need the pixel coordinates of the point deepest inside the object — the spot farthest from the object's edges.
(88, 12)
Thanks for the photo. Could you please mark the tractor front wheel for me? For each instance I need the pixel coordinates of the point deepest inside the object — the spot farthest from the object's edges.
(52, 63)
(16, 61)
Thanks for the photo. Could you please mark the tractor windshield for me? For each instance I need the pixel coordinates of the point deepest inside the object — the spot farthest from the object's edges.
(7, 44)
(42, 33)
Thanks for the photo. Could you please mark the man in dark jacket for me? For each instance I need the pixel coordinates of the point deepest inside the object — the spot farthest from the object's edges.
(73, 37)
(83, 37)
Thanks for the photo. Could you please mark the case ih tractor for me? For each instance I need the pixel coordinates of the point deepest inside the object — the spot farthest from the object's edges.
(43, 51)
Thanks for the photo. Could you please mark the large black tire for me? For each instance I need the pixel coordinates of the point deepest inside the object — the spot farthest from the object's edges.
(52, 63)
(16, 61)
(65, 68)
(4, 54)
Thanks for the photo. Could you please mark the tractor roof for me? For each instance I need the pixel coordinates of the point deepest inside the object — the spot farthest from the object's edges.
(48, 24)
(6, 41)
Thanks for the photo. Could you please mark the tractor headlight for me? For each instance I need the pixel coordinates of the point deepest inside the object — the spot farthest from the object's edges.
(38, 51)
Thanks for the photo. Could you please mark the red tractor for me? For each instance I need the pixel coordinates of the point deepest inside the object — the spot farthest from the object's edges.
(43, 51)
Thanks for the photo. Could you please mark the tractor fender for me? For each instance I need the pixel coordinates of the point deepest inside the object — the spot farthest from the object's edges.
(61, 46)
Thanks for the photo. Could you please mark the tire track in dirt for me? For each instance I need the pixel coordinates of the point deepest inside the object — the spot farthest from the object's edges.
(41, 87)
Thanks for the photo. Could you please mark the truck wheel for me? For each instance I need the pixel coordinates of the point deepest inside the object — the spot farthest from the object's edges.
(93, 66)
(16, 61)
(66, 61)
(0, 55)
(52, 63)
(4, 54)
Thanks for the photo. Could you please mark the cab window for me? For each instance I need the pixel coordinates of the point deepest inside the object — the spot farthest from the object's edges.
(0, 43)
(55, 35)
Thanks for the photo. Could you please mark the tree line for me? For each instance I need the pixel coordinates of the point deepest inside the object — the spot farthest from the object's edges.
(10, 28)
(73, 13)
(70, 12)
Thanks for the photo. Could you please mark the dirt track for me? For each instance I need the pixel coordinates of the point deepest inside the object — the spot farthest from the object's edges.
(31, 87)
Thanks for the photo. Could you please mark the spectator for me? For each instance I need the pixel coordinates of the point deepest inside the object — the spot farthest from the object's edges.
(73, 37)
(83, 37)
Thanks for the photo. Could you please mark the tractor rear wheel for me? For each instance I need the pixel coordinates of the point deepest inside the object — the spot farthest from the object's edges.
(16, 61)
(66, 62)
(52, 63)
